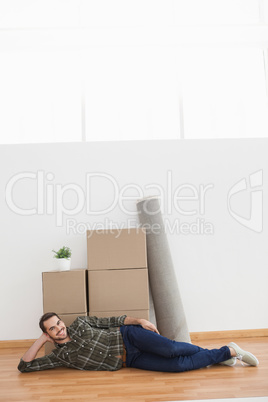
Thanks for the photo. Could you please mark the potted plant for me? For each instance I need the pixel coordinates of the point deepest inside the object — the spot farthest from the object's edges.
(63, 256)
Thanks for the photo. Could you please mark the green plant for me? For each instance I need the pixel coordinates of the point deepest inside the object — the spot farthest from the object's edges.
(63, 252)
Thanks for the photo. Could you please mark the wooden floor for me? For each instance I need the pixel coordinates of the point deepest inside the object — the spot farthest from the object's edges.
(127, 384)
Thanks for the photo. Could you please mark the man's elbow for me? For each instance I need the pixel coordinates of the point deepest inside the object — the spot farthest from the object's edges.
(22, 366)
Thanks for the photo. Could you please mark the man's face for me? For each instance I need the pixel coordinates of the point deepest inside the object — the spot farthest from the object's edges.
(56, 329)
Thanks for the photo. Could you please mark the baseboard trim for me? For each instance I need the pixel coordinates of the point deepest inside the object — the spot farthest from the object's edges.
(17, 343)
(232, 334)
(195, 337)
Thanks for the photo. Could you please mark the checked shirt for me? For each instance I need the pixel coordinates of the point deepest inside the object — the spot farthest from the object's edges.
(94, 346)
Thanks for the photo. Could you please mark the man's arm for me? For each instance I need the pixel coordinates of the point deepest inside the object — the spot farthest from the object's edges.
(140, 321)
(28, 362)
(108, 322)
(103, 322)
(36, 346)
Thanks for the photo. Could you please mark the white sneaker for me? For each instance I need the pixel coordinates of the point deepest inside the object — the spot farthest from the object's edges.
(244, 356)
(229, 362)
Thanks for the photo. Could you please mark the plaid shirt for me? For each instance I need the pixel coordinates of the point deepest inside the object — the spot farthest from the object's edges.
(94, 346)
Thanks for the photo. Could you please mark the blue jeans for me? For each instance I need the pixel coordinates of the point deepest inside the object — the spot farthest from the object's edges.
(149, 351)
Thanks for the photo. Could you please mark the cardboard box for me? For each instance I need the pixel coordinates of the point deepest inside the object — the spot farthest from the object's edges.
(65, 292)
(68, 319)
(116, 249)
(131, 313)
(118, 290)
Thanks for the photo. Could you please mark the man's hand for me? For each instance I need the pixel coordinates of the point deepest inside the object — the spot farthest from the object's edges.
(141, 321)
(148, 325)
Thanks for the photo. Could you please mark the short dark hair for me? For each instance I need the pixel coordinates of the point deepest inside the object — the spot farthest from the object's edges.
(44, 318)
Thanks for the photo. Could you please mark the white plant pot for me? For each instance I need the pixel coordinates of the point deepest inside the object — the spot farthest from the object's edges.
(64, 264)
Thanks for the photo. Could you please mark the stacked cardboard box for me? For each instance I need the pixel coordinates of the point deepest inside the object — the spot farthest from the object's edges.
(115, 282)
(65, 293)
(117, 273)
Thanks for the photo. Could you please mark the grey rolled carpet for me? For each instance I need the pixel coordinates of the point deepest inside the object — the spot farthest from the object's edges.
(169, 312)
(152, 317)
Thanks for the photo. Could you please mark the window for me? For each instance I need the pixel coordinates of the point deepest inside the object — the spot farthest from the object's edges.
(131, 93)
(144, 69)
(224, 93)
(40, 97)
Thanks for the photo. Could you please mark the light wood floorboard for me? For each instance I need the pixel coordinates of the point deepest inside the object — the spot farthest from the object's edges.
(131, 385)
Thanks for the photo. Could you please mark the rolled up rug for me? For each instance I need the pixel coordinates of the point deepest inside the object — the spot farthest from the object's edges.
(169, 311)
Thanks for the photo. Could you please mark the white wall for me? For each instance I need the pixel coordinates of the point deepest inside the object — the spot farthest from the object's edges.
(222, 276)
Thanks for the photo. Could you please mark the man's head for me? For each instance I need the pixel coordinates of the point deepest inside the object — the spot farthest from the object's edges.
(51, 324)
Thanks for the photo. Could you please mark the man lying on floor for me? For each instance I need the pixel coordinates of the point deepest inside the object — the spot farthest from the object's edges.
(92, 343)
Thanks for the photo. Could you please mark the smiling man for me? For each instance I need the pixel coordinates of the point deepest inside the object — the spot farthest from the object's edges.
(57, 332)
(92, 343)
